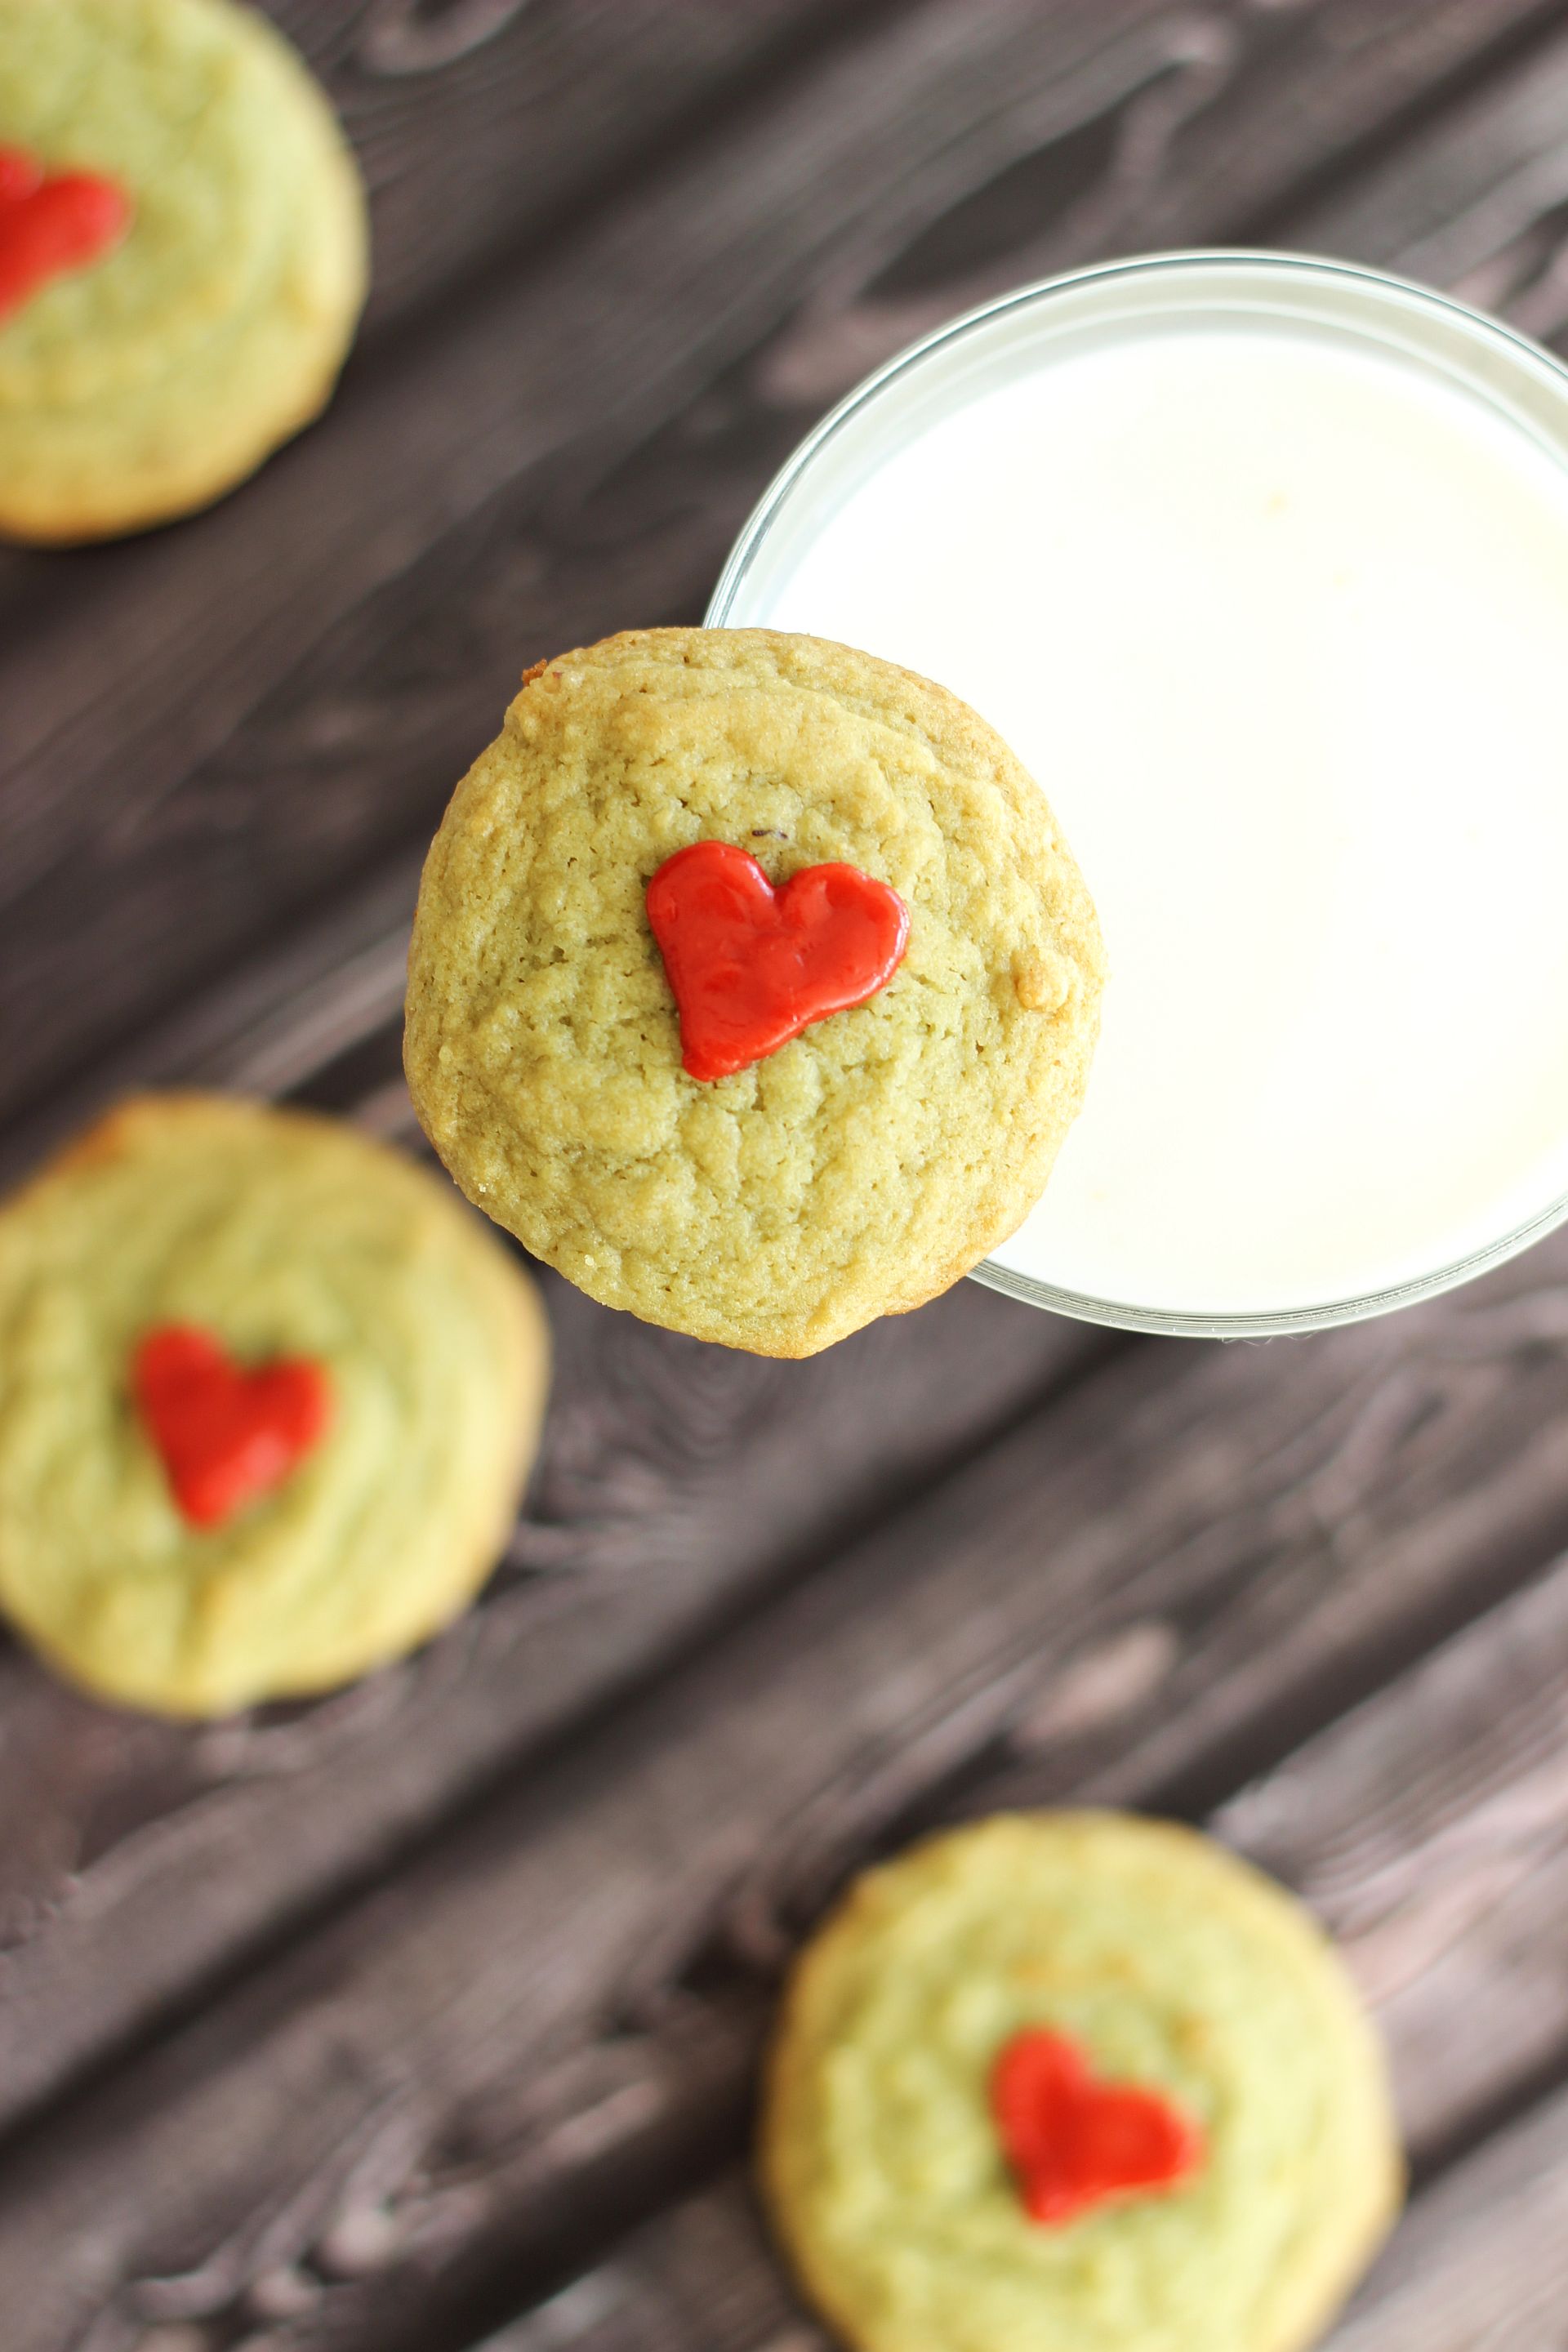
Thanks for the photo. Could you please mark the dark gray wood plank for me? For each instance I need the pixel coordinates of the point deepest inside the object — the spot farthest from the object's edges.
(1221, 118)
(1133, 1659)
(1470, 202)
(1430, 1831)
(1190, 1557)
(1481, 2262)
(678, 1481)
(230, 757)
(599, 337)
(1415, 1828)
(482, 123)
(701, 2279)
(330, 991)
(487, 127)
(1478, 203)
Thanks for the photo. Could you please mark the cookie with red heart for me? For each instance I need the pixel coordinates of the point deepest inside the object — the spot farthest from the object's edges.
(183, 257)
(269, 1392)
(1076, 2079)
(753, 985)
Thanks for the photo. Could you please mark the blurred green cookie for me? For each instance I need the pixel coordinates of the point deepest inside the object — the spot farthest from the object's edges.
(268, 1394)
(145, 381)
(1183, 1982)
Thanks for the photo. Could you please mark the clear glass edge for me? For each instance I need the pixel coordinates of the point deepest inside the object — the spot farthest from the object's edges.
(1170, 1322)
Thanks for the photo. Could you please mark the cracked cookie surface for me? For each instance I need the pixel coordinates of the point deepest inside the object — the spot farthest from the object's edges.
(1171, 1965)
(873, 1159)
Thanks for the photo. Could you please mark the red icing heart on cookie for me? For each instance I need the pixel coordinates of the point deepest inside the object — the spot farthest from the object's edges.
(51, 223)
(1075, 2142)
(752, 966)
(226, 1435)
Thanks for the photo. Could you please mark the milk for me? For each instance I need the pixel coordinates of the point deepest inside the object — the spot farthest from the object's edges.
(1279, 619)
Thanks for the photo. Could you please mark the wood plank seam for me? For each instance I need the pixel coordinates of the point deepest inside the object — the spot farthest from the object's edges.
(658, 1820)
(1395, 1823)
(306, 507)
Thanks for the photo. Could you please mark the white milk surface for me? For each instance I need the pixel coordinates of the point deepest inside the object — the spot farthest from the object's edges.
(1281, 623)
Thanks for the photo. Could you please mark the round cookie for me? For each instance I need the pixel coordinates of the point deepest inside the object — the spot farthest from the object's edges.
(1173, 1966)
(879, 1154)
(142, 384)
(281, 1239)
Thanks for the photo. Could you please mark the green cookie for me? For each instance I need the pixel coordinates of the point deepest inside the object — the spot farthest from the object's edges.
(280, 1236)
(1173, 1968)
(143, 383)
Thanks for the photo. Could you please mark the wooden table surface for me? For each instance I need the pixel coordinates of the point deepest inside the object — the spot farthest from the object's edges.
(431, 2011)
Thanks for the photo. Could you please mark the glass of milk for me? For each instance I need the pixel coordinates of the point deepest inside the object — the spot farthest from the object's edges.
(1260, 564)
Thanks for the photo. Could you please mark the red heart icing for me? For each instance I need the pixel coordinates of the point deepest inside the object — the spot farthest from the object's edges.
(752, 966)
(1074, 2142)
(51, 223)
(226, 1435)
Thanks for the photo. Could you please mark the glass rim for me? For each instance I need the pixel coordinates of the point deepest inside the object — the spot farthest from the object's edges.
(1084, 1307)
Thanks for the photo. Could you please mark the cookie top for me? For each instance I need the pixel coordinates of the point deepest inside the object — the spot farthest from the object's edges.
(1173, 1968)
(292, 1245)
(142, 383)
(867, 1163)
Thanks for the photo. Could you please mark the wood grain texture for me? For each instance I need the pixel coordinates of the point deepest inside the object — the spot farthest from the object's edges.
(1478, 202)
(389, 575)
(1473, 195)
(1197, 129)
(1480, 2263)
(448, 2086)
(1174, 1565)
(600, 338)
(484, 125)
(486, 129)
(676, 1482)
(1428, 1831)
(702, 2279)
(329, 992)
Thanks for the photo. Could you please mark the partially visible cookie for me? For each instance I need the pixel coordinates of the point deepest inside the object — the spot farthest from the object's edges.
(142, 373)
(1076, 2080)
(865, 1164)
(268, 1394)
